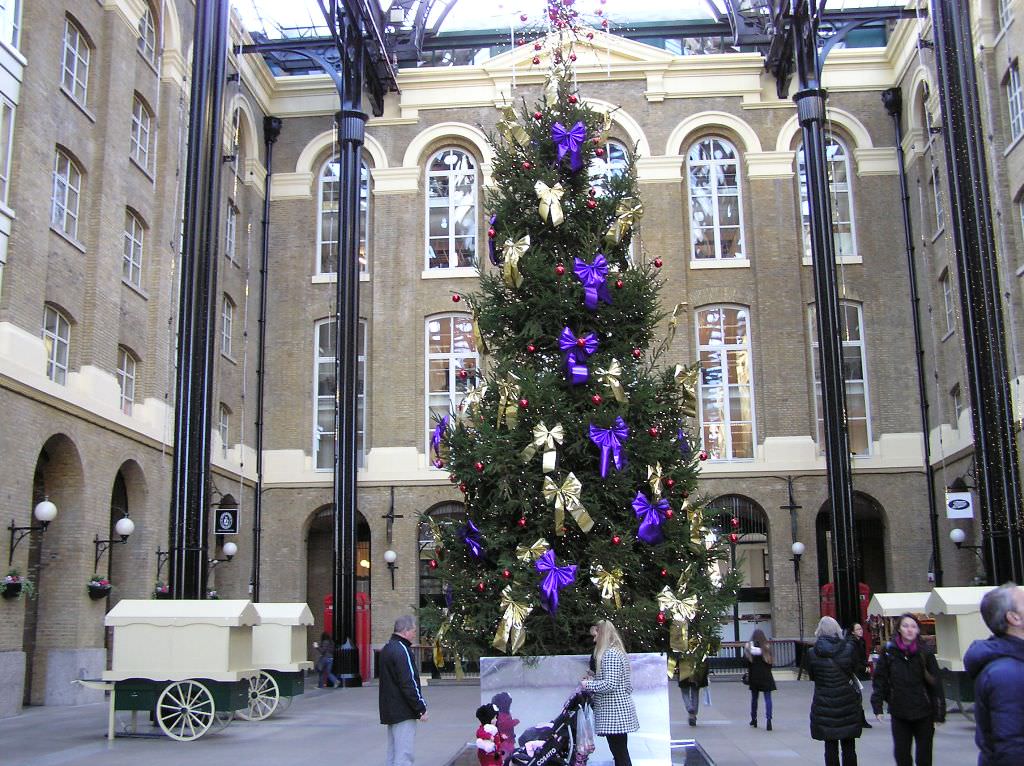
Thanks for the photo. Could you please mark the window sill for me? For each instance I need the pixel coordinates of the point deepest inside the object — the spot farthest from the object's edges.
(1013, 145)
(7, 212)
(457, 272)
(82, 107)
(18, 55)
(715, 263)
(228, 358)
(330, 279)
(145, 171)
(939, 233)
(68, 238)
(949, 334)
(842, 260)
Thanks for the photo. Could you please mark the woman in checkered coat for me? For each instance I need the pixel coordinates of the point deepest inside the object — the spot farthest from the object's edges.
(614, 711)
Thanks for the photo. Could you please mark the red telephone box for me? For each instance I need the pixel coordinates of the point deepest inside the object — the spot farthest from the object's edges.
(329, 615)
(828, 601)
(362, 629)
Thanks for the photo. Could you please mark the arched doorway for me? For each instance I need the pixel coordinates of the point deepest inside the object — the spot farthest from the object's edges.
(430, 586)
(869, 542)
(745, 524)
(320, 561)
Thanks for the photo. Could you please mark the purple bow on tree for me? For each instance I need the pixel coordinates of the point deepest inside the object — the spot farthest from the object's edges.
(569, 141)
(555, 578)
(684, 443)
(435, 439)
(650, 517)
(470, 535)
(492, 250)
(593, 276)
(576, 350)
(610, 441)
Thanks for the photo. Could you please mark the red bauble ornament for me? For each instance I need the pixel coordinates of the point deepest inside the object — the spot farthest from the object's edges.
(480, 587)
(596, 140)
(637, 353)
(658, 263)
(653, 432)
(664, 572)
(599, 12)
(572, 57)
(590, 35)
(522, 521)
(669, 513)
(433, 563)
(581, 342)
(572, 98)
(478, 466)
(537, 115)
(592, 203)
(492, 233)
(734, 538)
(661, 618)
(463, 374)
(604, 23)
(462, 487)
(536, 60)
(524, 403)
(735, 522)
(530, 348)
(537, 46)
(526, 166)
(596, 399)
(452, 478)
(456, 298)
(506, 574)
(619, 284)
(703, 455)
(523, 17)
(616, 539)
(670, 483)
(599, 152)
(559, 269)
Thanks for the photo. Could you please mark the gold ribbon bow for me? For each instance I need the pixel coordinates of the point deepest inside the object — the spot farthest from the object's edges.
(627, 213)
(567, 498)
(439, 642)
(686, 379)
(511, 253)
(508, 401)
(510, 628)
(551, 90)
(673, 323)
(510, 129)
(478, 337)
(654, 479)
(681, 611)
(550, 202)
(473, 399)
(435, 533)
(545, 439)
(610, 378)
(532, 553)
(610, 584)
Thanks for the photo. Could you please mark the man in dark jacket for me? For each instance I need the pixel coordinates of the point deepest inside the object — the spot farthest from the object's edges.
(997, 667)
(400, 698)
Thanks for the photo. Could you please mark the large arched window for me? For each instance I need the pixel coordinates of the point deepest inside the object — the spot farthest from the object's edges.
(431, 587)
(323, 395)
(452, 362)
(452, 206)
(745, 525)
(838, 159)
(716, 208)
(855, 377)
(327, 217)
(147, 34)
(726, 382)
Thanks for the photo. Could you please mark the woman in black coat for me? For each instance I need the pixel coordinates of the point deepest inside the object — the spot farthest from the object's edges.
(907, 678)
(836, 712)
(758, 654)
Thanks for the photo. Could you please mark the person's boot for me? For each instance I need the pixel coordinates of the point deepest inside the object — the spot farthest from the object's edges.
(768, 724)
(753, 722)
(693, 720)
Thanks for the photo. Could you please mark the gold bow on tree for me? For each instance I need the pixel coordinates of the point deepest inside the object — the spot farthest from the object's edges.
(673, 323)
(627, 213)
(654, 479)
(478, 337)
(439, 641)
(567, 498)
(545, 439)
(610, 584)
(473, 399)
(510, 129)
(508, 401)
(510, 627)
(551, 90)
(511, 253)
(610, 377)
(534, 552)
(686, 379)
(550, 202)
(681, 611)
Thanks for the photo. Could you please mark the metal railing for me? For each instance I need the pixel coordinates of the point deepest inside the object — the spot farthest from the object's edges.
(728, 661)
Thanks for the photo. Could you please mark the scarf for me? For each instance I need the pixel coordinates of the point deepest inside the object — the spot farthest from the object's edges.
(908, 649)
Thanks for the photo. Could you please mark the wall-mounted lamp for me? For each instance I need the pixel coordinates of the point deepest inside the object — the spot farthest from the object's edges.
(798, 549)
(390, 557)
(123, 529)
(44, 512)
(229, 549)
(958, 536)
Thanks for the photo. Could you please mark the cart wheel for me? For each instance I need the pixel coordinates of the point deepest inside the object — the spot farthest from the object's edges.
(284, 704)
(264, 695)
(185, 710)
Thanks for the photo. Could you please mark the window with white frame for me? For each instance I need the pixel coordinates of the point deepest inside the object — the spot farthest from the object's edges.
(957, 401)
(1005, 13)
(611, 165)
(67, 190)
(134, 237)
(75, 77)
(6, 142)
(935, 183)
(327, 218)
(139, 138)
(57, 340)
(224, 428)
(324, 394)
(949, 302)
(126, 366)
(231, 232)
(10, 22)
(716, 207)
(147, 35)
(841, 196)
(858, 423)
(452, 363)
(1015, 102)
(227, 320)
(452, 206)
(726, 382)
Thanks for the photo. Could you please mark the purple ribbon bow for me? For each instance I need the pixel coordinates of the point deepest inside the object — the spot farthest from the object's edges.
(569, 141)
(555, 578)
(492, 250)
(470, 535)
(593, 276)
(684, 443)
(650, 517)
(435, 439)
(610, 441)
(575, 354)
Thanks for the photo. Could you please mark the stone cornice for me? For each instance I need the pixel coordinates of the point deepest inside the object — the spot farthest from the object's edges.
(769, 164)
(876, 162)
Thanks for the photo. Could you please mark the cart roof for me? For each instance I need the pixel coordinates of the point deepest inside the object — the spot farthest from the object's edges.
(229, 613)
(284, 613)
(895, 604)
(956, 600)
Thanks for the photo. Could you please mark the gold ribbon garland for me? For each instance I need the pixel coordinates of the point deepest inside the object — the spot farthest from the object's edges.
(681, 611)
(510, 627)
(567, 498)
(654, 479)
(545, 439)
(534, 552)
(610, 583)
(610, 377)
(628, 212)
(550, 202)
(508, 402)
(510, 129)
(511, 253)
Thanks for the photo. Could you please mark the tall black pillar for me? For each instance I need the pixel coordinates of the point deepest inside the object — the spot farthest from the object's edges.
(197, 313)
(995, 443)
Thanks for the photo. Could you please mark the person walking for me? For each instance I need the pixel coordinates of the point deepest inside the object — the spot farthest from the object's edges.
(399, 697)
(997, 667)
(758, 654)
(836, 711)
(860, 660)
(325, 662)
(691, 681)
(907, 679)
(612, 689)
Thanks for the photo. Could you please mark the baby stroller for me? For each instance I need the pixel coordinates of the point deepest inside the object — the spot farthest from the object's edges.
(554, 744)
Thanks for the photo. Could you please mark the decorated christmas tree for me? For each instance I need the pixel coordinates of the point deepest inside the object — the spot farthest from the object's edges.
(572, 450)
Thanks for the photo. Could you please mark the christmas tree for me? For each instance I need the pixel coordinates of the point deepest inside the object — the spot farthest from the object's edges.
(572, 451)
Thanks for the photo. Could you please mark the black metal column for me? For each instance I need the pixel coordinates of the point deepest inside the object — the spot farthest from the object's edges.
(995, 444)
(810, 102)
(190, 487)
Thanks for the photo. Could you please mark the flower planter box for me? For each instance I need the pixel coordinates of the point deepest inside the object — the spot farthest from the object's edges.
(96, 592)
(11, 589)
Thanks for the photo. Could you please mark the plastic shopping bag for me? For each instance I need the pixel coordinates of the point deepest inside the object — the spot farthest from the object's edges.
(584, 735)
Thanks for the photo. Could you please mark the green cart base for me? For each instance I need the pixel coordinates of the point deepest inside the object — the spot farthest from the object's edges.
(271, 692)
(958, 687)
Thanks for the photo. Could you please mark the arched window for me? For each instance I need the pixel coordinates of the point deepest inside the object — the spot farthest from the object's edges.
(841, 195)
(327, 217)
(126, 366)
(67, 194)
(134, 237)
(855, 377)
(323, 395)
(431, 587)
(451, 210)
(147, 35)
(745, 525)
(57, 340)
(716, 207)
(227, 317)
(139, 138)
(75, 64)
(452, 363)
(726, 382)
(224, 428)
(611, 165)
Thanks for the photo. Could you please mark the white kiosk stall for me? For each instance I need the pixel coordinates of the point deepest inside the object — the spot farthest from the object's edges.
(957, 623)
(279, 651)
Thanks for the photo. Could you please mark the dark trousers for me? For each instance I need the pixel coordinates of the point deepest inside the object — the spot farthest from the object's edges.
(617, 744)
(767, 704)
(849, 747)
(905, 732)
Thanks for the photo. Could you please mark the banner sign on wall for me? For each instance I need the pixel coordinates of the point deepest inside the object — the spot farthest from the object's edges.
(959, 505)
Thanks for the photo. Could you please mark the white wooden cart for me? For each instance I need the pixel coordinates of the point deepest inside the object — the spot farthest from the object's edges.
(958, 622)
(279, 651)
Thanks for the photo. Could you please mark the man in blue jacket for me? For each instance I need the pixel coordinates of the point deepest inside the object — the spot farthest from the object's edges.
(997, 667)
(400, 697)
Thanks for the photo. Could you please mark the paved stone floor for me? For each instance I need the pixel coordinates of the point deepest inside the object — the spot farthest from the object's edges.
(340, 726)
